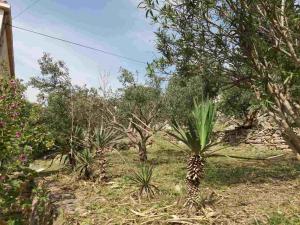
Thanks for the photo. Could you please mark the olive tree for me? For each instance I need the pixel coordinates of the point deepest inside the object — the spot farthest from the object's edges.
(248, 44)
(137, 112)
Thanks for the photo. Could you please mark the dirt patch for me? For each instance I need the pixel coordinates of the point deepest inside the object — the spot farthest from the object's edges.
(250, 203)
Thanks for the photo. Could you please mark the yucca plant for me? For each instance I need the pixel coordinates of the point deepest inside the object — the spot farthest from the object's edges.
(197, 137)
(143, 179)
(76, 145)
(84, 166)
(104, 139)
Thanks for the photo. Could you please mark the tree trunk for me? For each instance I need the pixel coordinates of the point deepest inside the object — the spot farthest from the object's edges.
(195, 172)
(72, 160)
(102, 165)
(250, 119)
(292, 139)
(298, 156)
(285, 112)
(289, 135)
(142, 151)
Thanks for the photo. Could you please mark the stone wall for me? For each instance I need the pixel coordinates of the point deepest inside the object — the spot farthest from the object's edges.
(264, 133)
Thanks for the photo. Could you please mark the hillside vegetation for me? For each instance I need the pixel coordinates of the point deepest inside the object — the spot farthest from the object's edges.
(209, 135)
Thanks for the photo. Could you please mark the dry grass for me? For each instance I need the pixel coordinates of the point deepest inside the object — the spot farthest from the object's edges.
(233, 191)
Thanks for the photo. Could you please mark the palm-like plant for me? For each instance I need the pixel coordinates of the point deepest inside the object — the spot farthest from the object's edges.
(76, 145)
(85, 160)
(197, 137)
(104, 139)
(143, 178)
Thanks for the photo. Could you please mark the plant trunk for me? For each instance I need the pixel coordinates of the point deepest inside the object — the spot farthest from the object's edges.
(87, 173)
(286, 113)
(298, 156)
(102, 165)
(142, 151)
(195, 171)
(292, 139)
(289, 135)
(72, 160)
(250, 119)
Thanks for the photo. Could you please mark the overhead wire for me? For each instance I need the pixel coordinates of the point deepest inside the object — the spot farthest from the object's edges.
(68, 41)
(25, 9)
(77, 44)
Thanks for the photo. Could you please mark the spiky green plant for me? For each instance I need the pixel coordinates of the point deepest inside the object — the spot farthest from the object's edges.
(204, 115)
(103, 140)
(188, 135)
(76, 145)
(143, 179)
(197, 137)
(85, 160)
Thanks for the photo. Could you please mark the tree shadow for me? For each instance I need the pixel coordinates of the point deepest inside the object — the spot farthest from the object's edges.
(228, 174)
(167, 156)
(47, 173)
(235, 136)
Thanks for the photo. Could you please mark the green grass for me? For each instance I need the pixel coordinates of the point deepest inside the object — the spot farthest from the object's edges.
(281, 219)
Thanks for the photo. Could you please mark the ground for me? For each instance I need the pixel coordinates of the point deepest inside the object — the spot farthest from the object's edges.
(233, 191)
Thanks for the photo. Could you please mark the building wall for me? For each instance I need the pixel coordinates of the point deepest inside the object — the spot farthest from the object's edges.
(4, 52)
(6, 41)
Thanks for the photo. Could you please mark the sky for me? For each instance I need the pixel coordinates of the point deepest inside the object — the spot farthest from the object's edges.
(116, 26)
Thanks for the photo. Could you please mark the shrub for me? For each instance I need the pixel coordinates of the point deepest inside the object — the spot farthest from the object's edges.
(11, 121)
(22, 201)
(36, 135)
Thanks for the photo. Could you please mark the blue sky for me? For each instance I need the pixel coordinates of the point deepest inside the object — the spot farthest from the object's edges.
(112, 25)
